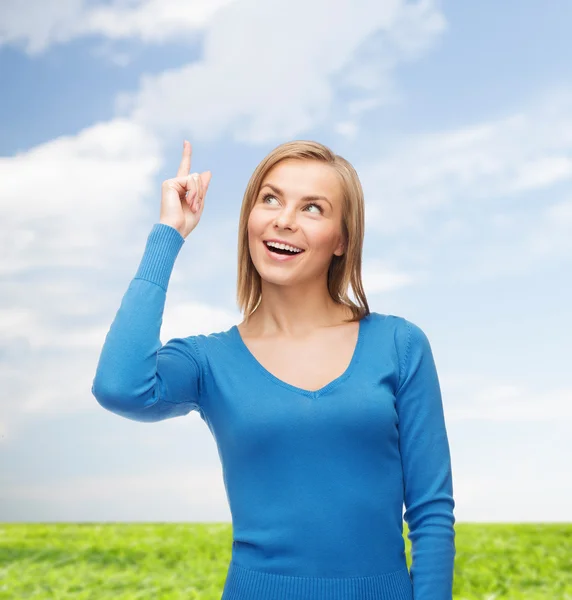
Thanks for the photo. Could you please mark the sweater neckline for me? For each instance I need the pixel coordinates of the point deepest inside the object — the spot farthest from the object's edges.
(298, 390)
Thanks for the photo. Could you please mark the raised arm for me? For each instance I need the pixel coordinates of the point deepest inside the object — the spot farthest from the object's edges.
(426, 463)
(136, 376)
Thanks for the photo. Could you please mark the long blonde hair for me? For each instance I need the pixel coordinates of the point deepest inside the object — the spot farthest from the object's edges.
(343, 270)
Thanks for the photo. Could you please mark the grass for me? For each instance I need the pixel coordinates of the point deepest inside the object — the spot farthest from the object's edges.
(189, 561)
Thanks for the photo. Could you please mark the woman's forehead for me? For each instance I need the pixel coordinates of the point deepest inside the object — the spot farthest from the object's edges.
(303, 177)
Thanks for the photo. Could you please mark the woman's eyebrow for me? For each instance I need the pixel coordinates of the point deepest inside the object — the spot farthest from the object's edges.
(279, 191)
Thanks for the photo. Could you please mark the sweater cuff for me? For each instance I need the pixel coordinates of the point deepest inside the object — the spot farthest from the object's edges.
(163, 245)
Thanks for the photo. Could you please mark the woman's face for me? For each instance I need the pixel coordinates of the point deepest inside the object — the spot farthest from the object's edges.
(281, 211)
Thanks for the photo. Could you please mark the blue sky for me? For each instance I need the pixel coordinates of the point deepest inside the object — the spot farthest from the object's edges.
(458, 120)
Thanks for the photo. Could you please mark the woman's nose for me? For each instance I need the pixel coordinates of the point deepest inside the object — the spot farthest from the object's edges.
(286, 217)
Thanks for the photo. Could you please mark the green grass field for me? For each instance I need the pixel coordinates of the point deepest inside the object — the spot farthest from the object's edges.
(189, 561)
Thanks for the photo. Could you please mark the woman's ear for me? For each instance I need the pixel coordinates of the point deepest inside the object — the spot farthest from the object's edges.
(340, 249)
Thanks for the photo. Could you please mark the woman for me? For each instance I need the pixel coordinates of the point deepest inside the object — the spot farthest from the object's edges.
(328, 418)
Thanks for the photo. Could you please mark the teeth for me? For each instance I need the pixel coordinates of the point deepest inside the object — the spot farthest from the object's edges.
(283, 246)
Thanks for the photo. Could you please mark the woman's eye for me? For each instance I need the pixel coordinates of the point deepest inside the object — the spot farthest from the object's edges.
(320, 210)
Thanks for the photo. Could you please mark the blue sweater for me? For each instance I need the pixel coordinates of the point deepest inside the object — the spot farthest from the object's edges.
(316, 480)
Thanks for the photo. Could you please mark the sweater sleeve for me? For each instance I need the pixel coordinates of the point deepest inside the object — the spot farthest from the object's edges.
(137, 377)
(426, 462)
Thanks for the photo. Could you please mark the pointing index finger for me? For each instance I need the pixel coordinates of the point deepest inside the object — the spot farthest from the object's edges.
(185, 166)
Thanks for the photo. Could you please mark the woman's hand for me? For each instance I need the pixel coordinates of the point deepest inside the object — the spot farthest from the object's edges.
(182, 198)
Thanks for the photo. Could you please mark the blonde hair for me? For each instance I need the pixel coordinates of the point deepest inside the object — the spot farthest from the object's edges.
(344, 269)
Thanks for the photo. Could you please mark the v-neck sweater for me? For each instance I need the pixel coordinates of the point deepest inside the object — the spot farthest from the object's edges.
(252, 360)
(316, 481)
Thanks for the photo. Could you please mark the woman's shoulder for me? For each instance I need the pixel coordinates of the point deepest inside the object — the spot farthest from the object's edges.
(405, 333)
(398, 321)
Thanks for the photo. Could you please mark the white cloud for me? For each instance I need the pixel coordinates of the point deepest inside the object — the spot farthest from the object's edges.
(552, 236)
(379, 278)
(496, 159)
(466, 188)
(39, 24)
(268, 74)
(348, 129)
(540, 172)
(472, 397)
(63, 198)
(268, 71)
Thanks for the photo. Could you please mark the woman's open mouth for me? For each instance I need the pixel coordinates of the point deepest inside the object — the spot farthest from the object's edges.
(281, 254)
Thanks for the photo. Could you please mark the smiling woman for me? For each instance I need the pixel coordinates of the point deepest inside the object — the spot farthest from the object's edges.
(316, 204)
(328, 418)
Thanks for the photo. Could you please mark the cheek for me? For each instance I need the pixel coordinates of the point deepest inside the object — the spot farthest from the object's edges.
(256, 228)
(255, 223)
(321, 239)
(251, 228)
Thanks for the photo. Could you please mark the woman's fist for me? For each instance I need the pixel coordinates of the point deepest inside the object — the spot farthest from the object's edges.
(182, 198)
